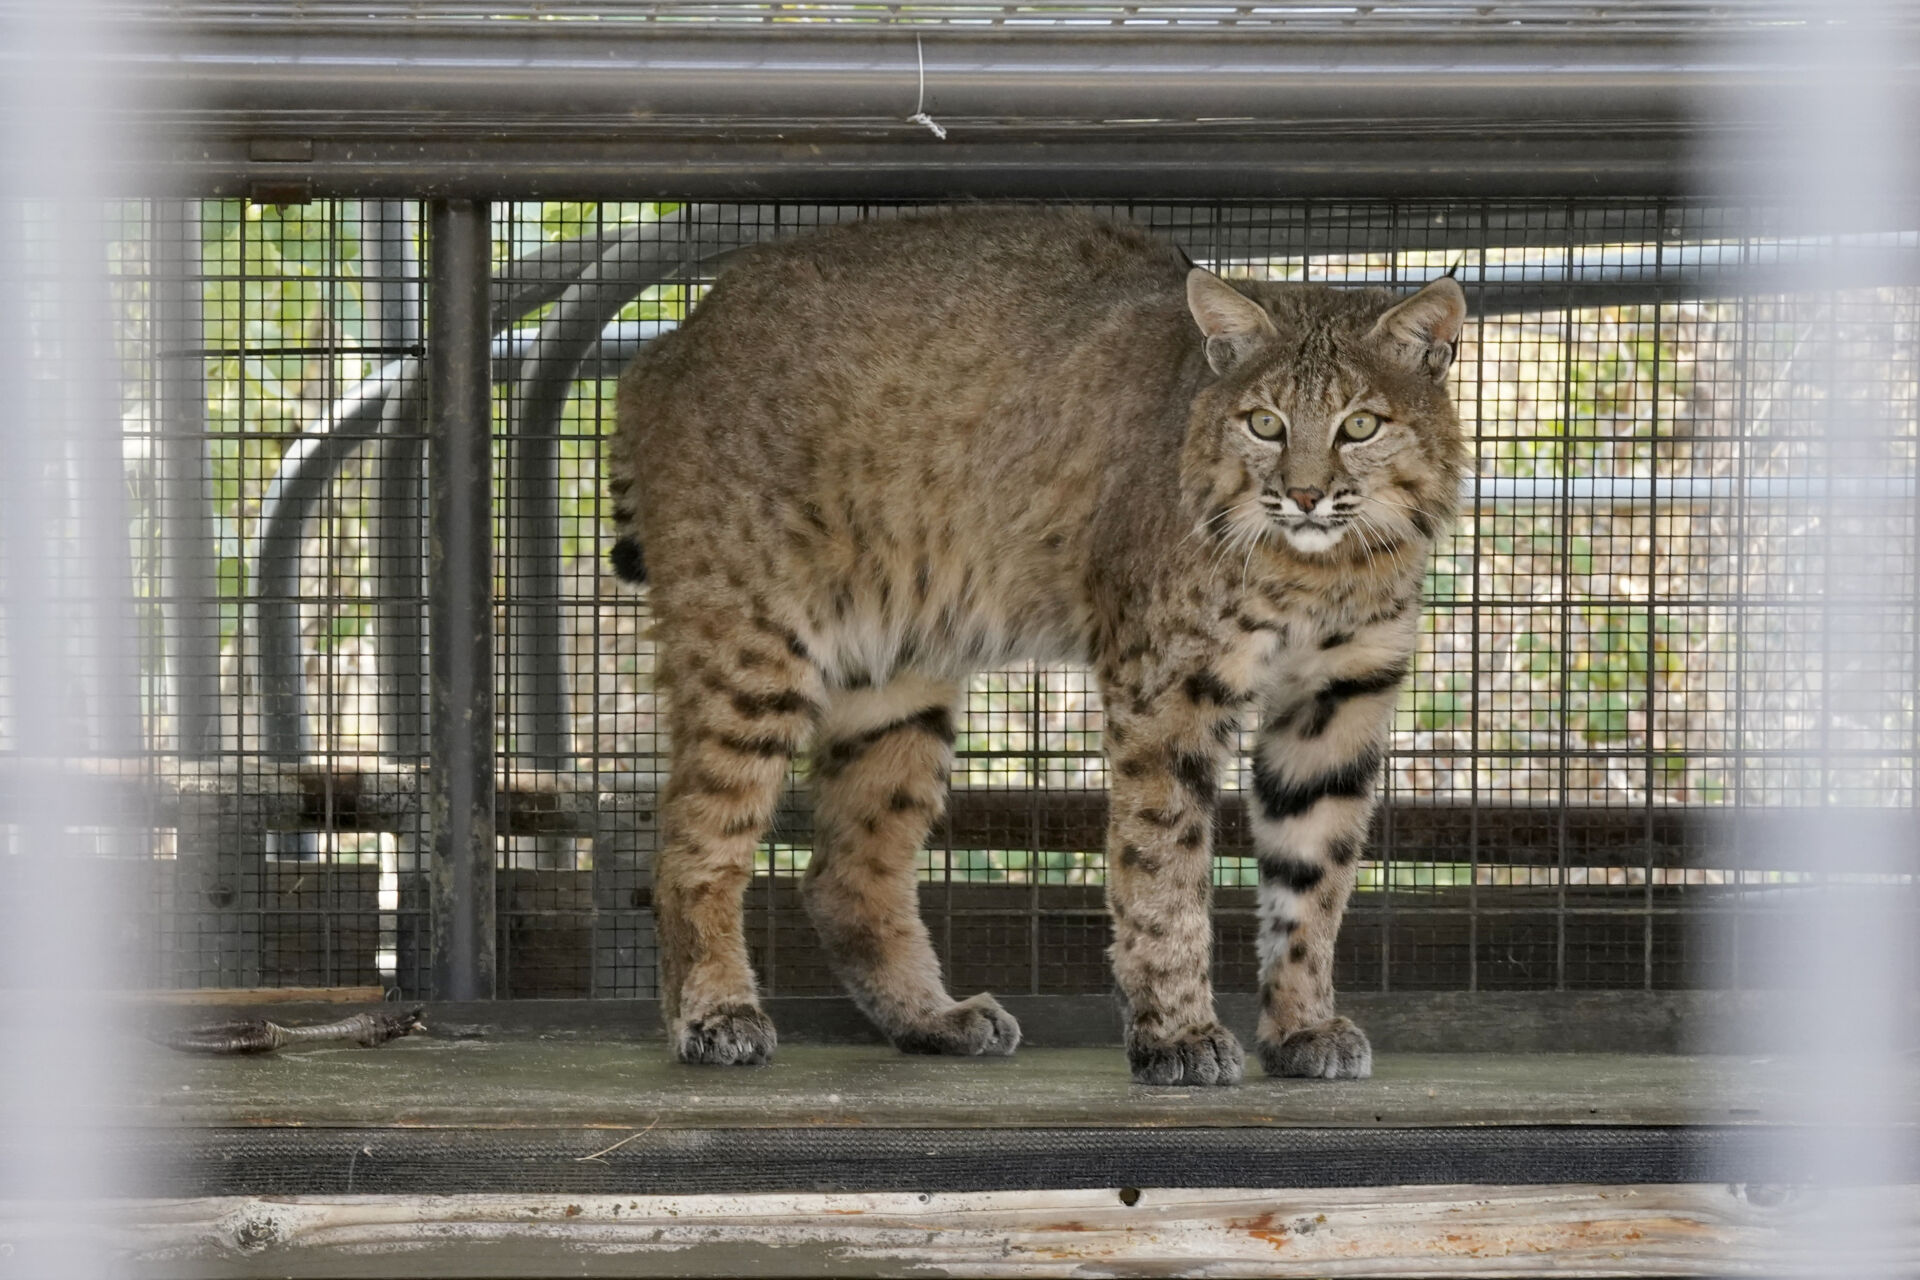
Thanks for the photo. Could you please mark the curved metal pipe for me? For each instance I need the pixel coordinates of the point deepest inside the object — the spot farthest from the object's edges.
(301, 480)
(537, 708)
(185, 499)
(398, 531)
(390, 274)
(556, 354)
(534, 279)
(649, 253)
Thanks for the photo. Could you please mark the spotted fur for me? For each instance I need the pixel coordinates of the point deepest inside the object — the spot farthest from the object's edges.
(879, 459)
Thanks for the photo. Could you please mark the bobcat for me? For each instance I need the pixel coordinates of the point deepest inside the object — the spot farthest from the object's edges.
(880, 458)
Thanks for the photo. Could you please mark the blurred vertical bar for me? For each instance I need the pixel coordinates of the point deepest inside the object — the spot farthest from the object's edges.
(460, 599)
(188, 571)
(67, 640)
(1823, 149)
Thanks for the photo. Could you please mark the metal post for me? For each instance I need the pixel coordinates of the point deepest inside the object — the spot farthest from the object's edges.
(186, 485)
(460, 600)
(390, 279)
(400, 570)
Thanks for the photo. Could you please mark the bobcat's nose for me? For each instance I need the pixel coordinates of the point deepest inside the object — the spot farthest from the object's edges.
(1305, 499)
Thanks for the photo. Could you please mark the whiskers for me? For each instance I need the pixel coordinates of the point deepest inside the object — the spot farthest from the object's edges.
(1253, 545)
(1234, 535)
(1247, 535)
(1364, 526)
(1402, 506)
(1207, 525)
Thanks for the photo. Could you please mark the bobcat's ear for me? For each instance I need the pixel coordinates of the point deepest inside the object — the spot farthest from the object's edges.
(1233, 324)
(1426, 326)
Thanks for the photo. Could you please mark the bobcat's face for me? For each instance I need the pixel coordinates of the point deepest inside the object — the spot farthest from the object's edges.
(1330, 426)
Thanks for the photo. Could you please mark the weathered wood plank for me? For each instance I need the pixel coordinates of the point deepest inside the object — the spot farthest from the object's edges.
(227, 996)
(1659, 1023)
(1471, 1230)
(446, 1079)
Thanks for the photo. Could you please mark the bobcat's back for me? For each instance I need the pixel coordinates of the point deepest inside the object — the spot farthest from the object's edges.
(903, 438)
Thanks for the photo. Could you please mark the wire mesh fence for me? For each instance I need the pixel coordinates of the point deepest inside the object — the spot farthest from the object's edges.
(1622, 684)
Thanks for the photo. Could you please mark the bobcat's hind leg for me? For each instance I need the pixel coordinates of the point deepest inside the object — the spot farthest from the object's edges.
(739, 704)
(880, 766)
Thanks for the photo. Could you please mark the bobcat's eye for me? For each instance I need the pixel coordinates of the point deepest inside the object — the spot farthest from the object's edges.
(1360, 426)
(1266, 424)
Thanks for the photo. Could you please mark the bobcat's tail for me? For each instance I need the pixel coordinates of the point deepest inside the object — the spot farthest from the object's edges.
(629, 564)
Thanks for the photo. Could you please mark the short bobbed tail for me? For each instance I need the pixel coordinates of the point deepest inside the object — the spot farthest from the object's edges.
(628, 561)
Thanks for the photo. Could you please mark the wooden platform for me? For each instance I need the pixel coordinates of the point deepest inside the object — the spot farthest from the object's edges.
(515, 1151)
(615, 1086)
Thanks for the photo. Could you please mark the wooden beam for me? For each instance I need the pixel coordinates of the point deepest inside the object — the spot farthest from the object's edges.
(381, 797)
(1470, 1230)
(222, 996)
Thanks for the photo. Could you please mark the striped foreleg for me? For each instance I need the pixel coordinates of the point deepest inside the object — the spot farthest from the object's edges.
(1315, 771)
(1167, 757)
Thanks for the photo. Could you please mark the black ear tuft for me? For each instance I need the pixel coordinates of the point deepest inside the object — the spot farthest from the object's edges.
(1453, 272)
(629, 565)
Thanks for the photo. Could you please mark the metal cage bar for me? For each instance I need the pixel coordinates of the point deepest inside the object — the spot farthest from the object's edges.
(460, 601)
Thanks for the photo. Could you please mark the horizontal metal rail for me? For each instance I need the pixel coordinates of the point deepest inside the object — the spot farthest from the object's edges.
(1641, 491)
(389, 107)
(720, 77)
(1354, 20)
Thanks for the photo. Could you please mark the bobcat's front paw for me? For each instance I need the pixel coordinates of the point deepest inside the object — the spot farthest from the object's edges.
(1199, 1055)
(730, 1035)
(971, 1028)
(1334, 1050)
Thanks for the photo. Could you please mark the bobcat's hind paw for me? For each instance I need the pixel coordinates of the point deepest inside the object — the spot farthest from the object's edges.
(730, 1035)
(1200, 1055)
(1334, 1050)
(975, 1027)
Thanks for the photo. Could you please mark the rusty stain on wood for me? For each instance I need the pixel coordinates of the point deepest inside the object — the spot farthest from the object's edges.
(1264, 1228)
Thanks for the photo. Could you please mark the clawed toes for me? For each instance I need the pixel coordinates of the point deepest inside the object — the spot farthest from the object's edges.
(1204, 1055)
(731, 1035)
(975, 1027)
(1335, 1050)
